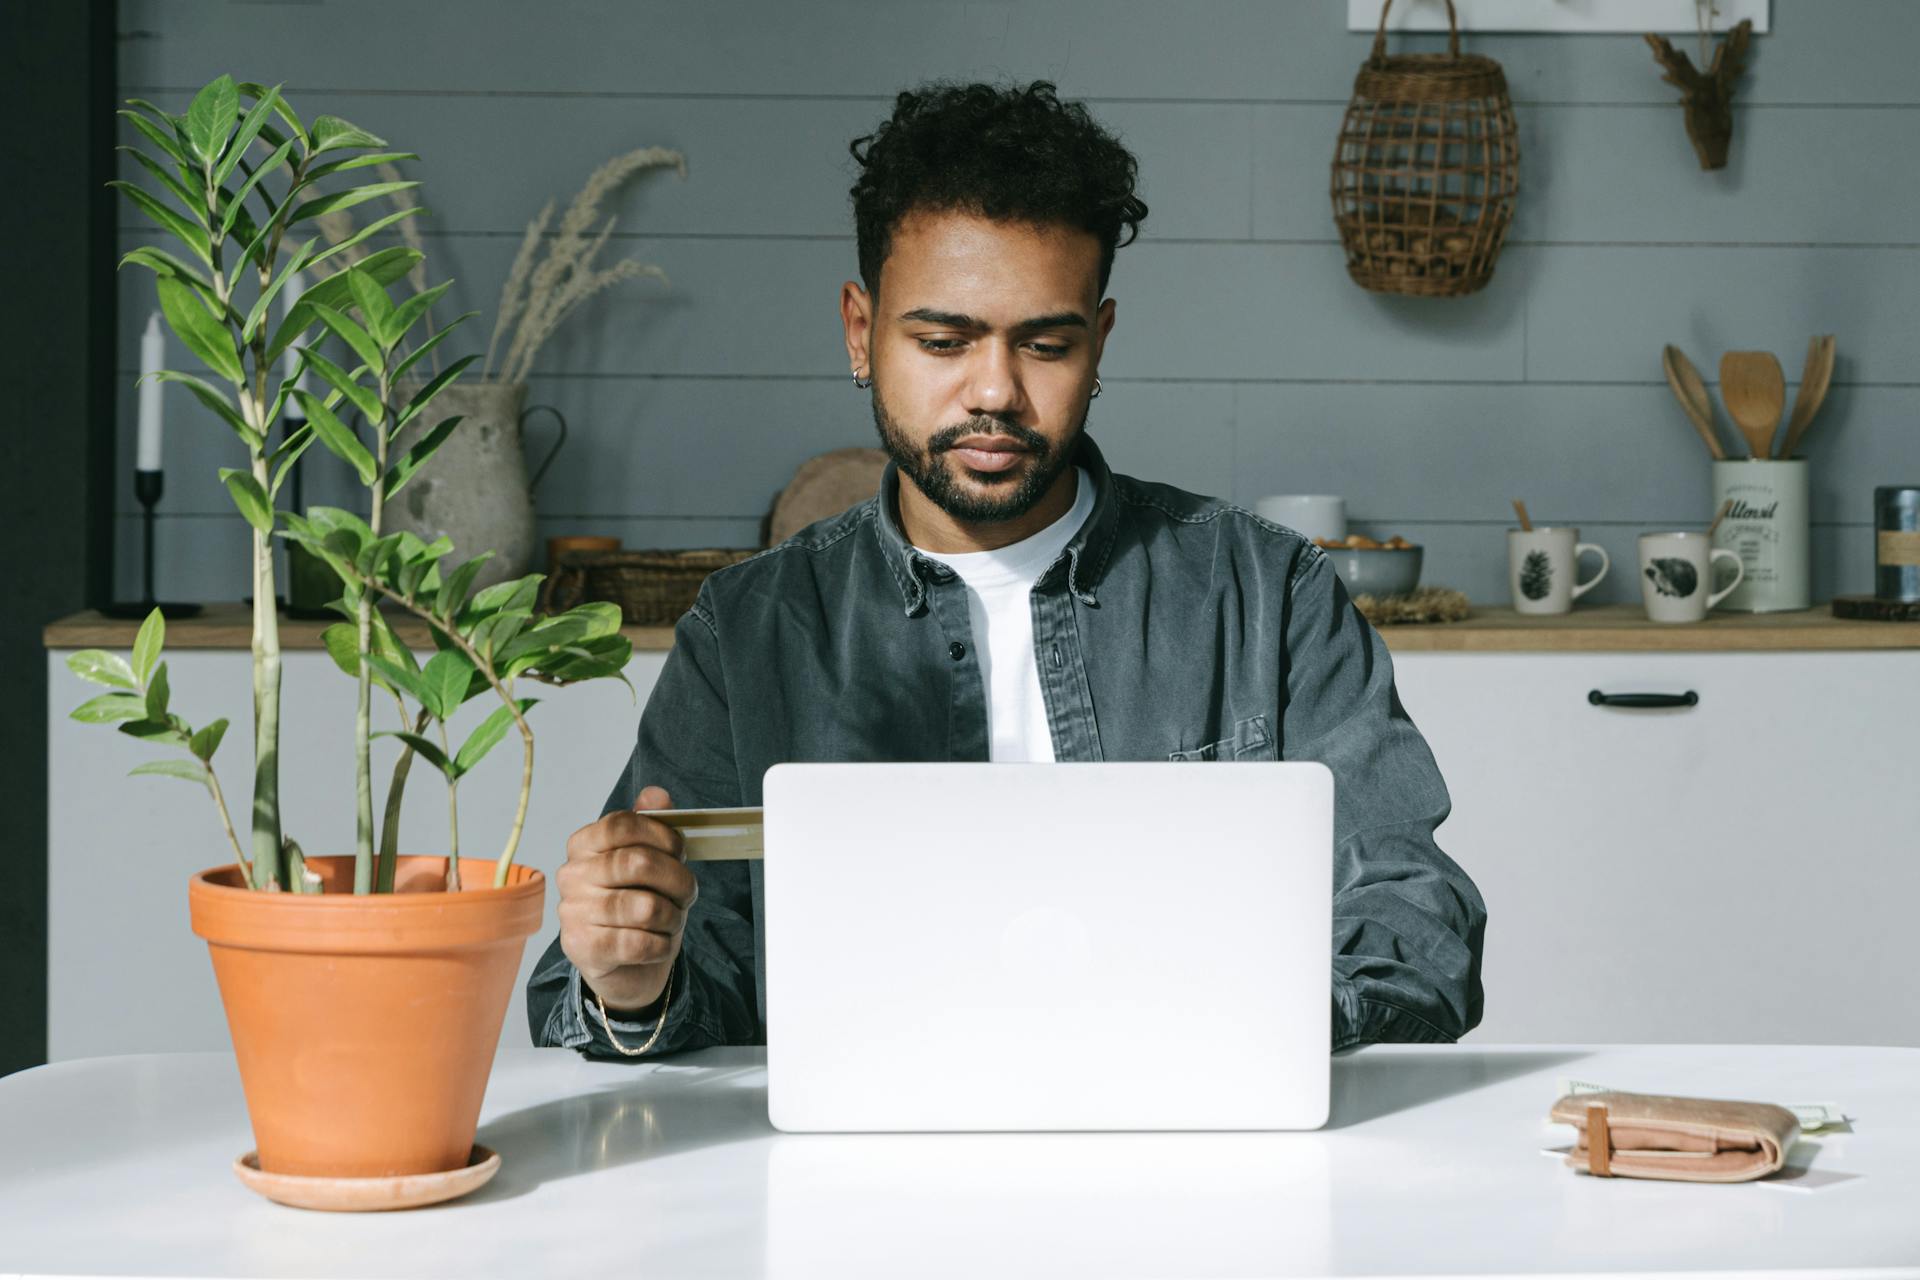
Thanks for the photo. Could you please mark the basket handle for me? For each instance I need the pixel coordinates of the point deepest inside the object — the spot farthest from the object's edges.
(1380, 36)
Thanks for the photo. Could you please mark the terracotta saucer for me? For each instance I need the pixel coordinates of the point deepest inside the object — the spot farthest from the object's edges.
(365, 1195)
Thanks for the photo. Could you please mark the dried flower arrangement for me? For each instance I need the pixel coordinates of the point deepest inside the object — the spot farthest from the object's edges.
(538, 297)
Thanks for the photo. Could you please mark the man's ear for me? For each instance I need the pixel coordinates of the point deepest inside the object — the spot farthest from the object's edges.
(856, 315)
(1102, 326)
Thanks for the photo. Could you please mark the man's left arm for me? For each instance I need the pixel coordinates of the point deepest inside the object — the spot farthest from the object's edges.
(1408, 923)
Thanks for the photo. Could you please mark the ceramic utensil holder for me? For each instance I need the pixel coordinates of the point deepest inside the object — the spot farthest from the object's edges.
(1767, 528)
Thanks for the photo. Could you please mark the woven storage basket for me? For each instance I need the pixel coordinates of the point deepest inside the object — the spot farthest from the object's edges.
(1426, 168)
(652, 588)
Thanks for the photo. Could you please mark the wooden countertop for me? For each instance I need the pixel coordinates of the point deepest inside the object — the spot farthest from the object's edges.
(1491, 628)
(230, 626)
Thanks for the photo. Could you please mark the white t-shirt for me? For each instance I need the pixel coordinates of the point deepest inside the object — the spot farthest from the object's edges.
(999, 584)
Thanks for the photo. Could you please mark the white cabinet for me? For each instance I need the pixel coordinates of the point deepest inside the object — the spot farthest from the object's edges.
(1746, 869)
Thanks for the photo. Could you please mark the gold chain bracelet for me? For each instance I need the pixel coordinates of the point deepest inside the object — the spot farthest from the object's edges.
(666, 1002)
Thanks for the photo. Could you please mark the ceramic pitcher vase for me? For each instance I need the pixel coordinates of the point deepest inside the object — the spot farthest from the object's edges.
(475, 488)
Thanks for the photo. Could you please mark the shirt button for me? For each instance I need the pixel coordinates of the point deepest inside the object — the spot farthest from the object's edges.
(956, 651)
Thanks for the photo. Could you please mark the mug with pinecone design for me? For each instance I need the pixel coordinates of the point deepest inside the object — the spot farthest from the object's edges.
(1541, 566)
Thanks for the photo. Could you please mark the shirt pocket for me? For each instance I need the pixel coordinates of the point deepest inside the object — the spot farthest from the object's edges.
(1251, 740)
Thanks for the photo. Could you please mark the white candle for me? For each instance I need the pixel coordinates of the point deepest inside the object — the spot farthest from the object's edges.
(153, 357)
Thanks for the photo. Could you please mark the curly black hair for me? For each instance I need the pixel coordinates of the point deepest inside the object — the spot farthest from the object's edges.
(1009, 154)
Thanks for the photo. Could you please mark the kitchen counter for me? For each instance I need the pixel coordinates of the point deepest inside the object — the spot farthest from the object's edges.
(1598, 628)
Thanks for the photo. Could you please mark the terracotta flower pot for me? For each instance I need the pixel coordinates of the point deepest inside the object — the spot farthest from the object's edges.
(365, 1025)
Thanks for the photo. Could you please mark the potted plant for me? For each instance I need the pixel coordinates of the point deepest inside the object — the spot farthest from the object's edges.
(365, 992)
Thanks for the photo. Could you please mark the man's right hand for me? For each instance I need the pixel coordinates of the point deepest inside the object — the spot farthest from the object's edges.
(624, 895)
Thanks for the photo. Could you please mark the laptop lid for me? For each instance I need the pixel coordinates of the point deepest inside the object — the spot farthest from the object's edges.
(1048, 946)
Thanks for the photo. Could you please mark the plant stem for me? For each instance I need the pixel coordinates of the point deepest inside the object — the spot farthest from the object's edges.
(226, 821)
(390, 823)
(453, 817)
(485, 668)
(363, 711)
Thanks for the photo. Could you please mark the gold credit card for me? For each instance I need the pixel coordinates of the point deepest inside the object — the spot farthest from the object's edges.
(714, 835)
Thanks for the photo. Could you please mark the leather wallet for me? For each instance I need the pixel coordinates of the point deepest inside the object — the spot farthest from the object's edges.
(1651, 1135)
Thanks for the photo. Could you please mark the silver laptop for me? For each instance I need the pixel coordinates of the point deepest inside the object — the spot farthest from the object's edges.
(1048, 946)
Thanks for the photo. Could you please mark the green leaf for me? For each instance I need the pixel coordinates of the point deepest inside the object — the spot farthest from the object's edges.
(423, 448)
(412, 309)
(255, 252)
(386, 266)
(157, 693)
(364, 398)
(210, 117)
(160, 262)
(161, 138)
(288, 454)
(169, 730)
(425, 395)
(101, 667)
(488, 735)
(334, 434)
(147, 643)
(342, 640)
(329, 132)
(193, 236)
(216, 400)
(109, 707)
(189, 770)
(517, 593)
(413, 358)
(425, 747)
(249, 497)
(207, 741)
(372, 228)
(445, 679)
(258, 311)
(249, 130)
(248, 89)
(354, 336)
(191, 201)
(337, 200)
(202, 332)
(400, 677)
(273, 162)
(376, 309)
(453, 595)
(365, 161)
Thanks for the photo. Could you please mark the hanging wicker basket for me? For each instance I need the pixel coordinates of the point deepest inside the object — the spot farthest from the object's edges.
(1426, 168)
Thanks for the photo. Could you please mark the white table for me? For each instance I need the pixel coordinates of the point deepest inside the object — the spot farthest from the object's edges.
(1431, 1165)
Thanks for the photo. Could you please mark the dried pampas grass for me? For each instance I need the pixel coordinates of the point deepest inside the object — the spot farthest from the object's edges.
(537, 297)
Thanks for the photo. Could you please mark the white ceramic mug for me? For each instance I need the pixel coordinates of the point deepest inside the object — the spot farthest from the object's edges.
(1541, 564)
(1311, 515)
(1676, 575)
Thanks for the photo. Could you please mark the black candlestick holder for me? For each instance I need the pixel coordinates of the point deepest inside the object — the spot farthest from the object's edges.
(146, 488)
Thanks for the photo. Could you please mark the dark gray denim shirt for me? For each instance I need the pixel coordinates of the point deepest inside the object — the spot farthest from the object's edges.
(1173, 627)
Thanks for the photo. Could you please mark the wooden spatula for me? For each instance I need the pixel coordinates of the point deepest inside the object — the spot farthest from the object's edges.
(1813, 389)
(1691, 392)
(1755, 391)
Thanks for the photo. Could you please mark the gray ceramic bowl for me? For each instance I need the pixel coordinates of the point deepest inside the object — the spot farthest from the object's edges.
(1377, 573)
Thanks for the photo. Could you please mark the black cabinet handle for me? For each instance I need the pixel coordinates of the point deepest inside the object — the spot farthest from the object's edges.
(1599, 699)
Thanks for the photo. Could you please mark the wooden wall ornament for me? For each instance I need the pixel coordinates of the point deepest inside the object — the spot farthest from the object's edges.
(1707, 96)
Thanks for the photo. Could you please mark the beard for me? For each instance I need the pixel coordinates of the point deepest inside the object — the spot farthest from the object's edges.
(975, 497)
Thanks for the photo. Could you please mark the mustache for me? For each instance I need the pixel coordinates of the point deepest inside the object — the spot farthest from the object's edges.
(947, 437)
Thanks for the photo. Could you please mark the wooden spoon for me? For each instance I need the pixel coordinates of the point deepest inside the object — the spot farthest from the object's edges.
(1813, 389)
(1755, 391)
(1691, 392)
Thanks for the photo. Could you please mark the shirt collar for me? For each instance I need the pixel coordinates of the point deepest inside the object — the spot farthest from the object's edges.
(1086, 554)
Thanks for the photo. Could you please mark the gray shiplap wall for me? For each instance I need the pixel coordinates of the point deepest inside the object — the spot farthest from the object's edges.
(1244, 362)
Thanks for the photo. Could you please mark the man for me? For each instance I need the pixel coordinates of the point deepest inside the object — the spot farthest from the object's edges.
(1004, 597)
